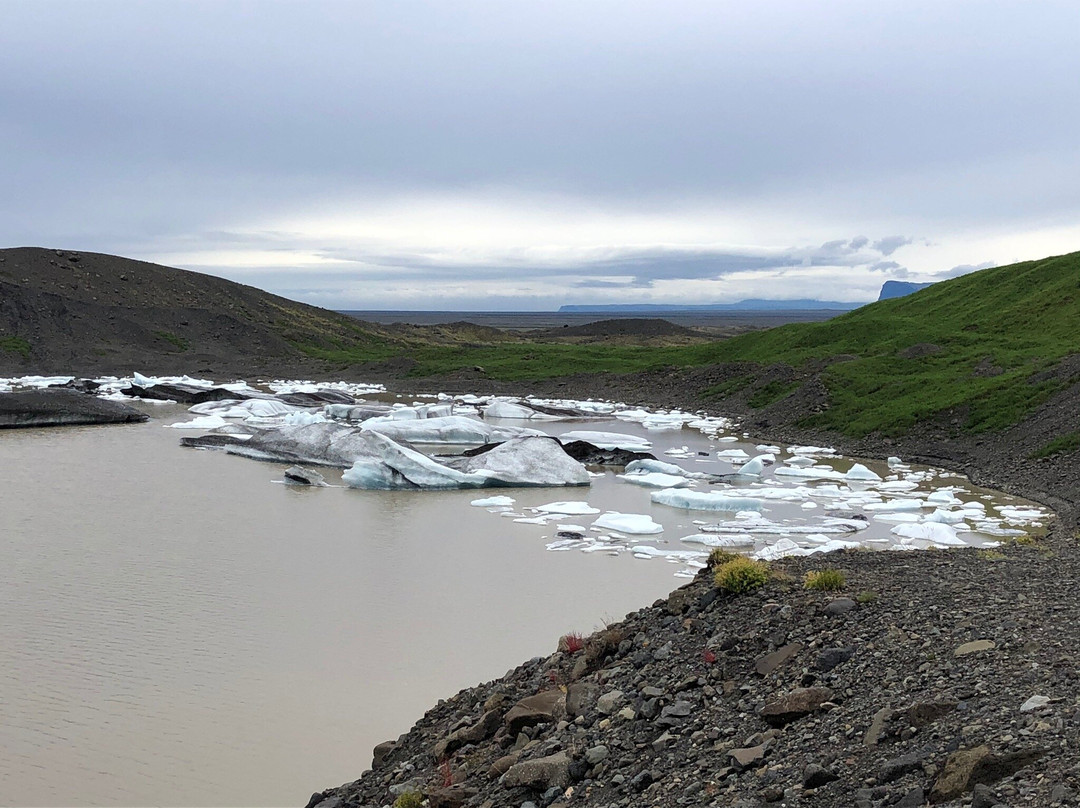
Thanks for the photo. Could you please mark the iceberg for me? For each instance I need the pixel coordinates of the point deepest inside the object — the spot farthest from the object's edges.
(607, 440)
(632, 523)
(861, 473)
(449, 429)
(655, 479)
(493, 502)
(705, 500)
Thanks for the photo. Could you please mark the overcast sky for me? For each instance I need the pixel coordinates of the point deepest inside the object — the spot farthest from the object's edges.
(522, 155)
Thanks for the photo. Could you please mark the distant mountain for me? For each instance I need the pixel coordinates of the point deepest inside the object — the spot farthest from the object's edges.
(742, 305)
(891, 289)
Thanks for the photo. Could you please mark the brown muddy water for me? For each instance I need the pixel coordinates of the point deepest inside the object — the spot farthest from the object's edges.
(180, 630)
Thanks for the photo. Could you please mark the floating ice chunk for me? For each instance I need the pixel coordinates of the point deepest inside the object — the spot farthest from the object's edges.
(451, 429)
(607, 440)
(1016, 513)
(897, 516)
(567, 508)
(942, 497)
(833, 545)
(862, 473)
(811, 450)
(898, 486)
(721, 540)
(756, 465)
(896, 505)
(493, 502)
(655, 480)
(658, 466)
(935, 532)
(945, 517)
(571, 528)
(809, 506)
(812, 473)
(782, 549)
(203, 422)
(705, 500)
(633, 523)
(768, 448)
(304, 418)
(894, 462)
(533, 520)
(733, 455)
(800, 462)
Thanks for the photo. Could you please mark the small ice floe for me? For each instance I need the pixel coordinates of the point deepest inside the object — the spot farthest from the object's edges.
(809, 473)
(862, 473)
(533, 520)
(203, 422)
(936, 533)
(682, 451)
(303, 418)
(811, 450)
(897, 516)
(534, 410)
(664, 422)
(607, 440)
(800, 462)
(892, 505)
(768, 448)
(705, 500)
(655, 479)
(493, 502)
(809, 506)
(898, 486)
(721, 540)
(1018, 514)
(567, 508)
(755, 466)
(734, 455)
(571, 529)
(782, 548)
(633, 523)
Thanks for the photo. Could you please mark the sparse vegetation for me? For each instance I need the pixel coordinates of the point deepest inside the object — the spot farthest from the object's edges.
(741, 575)
(991, 555)
(15, 345)
(409, 799)
(866, 596)
(720, 556)
(771, 393)
(824, 580)
(179, 342)
(1065, 444)
(571, 643)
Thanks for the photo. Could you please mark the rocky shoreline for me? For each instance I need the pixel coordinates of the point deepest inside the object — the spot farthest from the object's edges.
(932, 677)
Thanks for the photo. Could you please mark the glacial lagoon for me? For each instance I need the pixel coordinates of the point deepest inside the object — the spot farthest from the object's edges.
(183, 628)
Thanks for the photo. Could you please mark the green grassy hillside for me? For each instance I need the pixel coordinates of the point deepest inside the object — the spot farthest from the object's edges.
(985, 347)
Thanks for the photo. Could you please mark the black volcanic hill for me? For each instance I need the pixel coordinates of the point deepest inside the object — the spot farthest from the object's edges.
(63, 311)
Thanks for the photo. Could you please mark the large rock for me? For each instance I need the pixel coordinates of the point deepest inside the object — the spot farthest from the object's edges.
(767, 664)
(795, 705)
(965, 769)
(539, 774)
(183, 393)
(480, 731)
(60, 407)
(539, 709)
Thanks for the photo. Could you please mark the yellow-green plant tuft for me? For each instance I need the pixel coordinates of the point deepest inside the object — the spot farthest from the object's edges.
(866, 596)
(824, 580)
(741, 575)
(721, 556)
(409, 799)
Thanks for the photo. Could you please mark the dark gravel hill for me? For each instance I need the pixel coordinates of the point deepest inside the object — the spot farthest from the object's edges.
(64, 311)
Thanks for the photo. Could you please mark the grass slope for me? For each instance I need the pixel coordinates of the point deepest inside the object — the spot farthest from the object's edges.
(1000, 333)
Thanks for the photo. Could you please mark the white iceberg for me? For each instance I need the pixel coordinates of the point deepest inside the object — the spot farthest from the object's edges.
(632, 523)
(450, 429)
(655, 479)
(568, 508)
(705, 500)
(861, 473)
(607, 440)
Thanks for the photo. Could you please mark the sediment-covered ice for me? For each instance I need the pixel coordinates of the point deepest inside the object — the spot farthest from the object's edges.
(607, 440)
(451, 429)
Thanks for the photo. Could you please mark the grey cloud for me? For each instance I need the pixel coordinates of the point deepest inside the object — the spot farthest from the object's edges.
(890, 244)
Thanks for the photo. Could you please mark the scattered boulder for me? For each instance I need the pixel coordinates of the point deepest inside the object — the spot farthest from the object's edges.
(539, 774)
(538, 709)
(768, 664)
(795, 705)
(965, 769)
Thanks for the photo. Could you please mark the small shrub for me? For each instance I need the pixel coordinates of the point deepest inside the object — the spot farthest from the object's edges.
(824, 580)
(571, 643)
(866, 596)
(409, 799)
(721, 556)
(741, 575)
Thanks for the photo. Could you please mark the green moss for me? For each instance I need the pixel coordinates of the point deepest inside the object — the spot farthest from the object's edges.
(15, 345)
